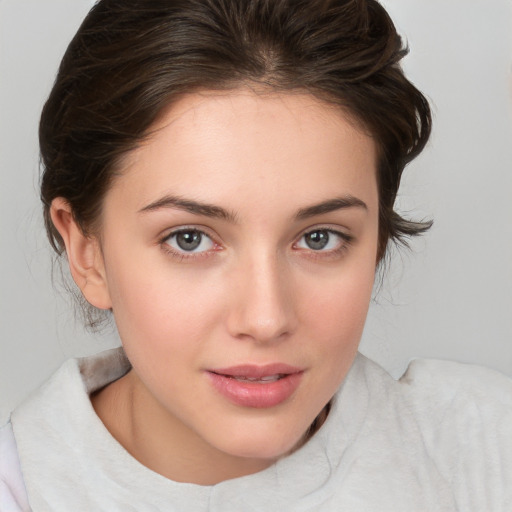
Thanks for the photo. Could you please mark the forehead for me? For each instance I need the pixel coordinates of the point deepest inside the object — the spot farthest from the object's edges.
(229, 146)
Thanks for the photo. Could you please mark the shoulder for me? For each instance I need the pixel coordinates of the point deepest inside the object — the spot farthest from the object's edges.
(456, 373)
(464, 414)
(12, 488)
(458, 389)
(56, 428)
(467, 405)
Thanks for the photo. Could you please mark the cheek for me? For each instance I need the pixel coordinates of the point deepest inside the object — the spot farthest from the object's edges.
(337, 312)
(339, 318)
(163, 330)
(162, 307)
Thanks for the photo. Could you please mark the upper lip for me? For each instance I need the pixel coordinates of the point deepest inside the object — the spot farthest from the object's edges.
(253, 371)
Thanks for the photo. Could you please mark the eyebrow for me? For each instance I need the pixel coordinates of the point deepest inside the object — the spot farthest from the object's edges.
(217, 212)
(188, 205)
(331, 205)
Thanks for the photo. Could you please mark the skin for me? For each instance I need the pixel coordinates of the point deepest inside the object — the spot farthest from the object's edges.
(254, 291)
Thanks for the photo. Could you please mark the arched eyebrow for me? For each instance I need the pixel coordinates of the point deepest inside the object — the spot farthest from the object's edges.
(191, 206)
(331, 205)
(217, 212)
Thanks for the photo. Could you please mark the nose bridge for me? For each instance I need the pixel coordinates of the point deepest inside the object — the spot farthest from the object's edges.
(263, 306)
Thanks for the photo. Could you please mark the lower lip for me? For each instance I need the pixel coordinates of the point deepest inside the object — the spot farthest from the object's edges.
(256, 394)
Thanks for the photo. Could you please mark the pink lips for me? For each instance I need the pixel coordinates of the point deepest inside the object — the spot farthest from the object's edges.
(256, 386)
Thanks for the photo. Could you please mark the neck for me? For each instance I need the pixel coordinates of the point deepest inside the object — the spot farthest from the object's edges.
(160, 441)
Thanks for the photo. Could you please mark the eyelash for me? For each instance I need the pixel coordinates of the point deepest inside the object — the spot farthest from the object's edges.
(179, 255)
(346, 241)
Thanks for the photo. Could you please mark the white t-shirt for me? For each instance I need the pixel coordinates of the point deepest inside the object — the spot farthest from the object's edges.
(439, 439)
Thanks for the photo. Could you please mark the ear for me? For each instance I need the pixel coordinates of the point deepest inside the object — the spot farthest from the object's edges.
(84, 255)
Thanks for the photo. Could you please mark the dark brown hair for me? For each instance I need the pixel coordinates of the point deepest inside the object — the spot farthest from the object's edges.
(131, 59)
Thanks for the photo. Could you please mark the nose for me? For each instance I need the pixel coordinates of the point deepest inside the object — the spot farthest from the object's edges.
(262, 304)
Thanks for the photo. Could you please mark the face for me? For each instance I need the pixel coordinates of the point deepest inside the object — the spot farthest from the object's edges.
(239, 248)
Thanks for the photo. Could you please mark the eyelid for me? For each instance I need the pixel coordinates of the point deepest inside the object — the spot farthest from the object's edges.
(168, 232)
(336, 229)
(346, 240)
(184, 255)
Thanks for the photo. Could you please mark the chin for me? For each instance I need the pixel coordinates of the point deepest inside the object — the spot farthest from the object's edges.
(263, 444)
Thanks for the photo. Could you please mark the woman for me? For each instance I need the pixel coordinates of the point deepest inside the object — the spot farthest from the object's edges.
(221, 176)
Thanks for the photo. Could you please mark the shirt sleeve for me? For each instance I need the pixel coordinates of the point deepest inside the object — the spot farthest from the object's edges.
(13, 496)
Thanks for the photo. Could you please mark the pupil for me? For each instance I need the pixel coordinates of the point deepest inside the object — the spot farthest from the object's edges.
(317, 240)
(188, 240)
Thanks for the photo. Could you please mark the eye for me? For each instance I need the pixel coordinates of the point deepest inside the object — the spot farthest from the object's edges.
(189, 241)
(323, 240)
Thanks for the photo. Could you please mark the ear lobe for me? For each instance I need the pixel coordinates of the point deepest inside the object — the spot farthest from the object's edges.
(84, 256)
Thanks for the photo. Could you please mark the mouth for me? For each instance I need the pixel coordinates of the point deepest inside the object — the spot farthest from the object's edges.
(272, 371)
(256, 386)
(262, 380)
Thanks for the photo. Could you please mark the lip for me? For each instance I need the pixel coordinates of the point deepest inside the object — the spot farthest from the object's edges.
(269, 385)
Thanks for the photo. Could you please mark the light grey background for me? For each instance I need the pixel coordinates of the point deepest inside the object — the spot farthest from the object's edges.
(451, 297)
